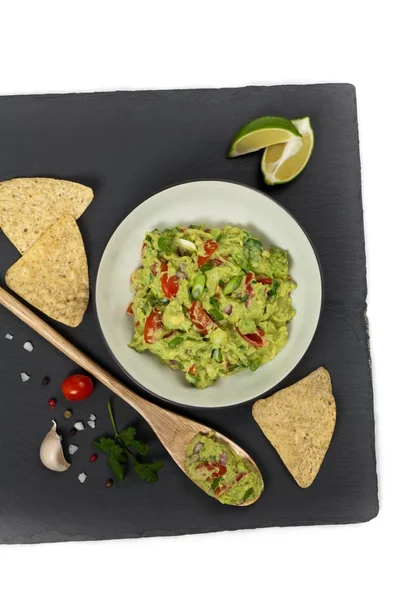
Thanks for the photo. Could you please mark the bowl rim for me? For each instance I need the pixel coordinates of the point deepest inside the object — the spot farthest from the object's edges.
(226, 406)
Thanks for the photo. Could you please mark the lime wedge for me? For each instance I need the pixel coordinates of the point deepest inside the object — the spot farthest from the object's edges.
(260, 133)
(283, 162)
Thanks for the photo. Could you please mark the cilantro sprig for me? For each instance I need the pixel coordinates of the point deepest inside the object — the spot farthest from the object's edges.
(119, 455)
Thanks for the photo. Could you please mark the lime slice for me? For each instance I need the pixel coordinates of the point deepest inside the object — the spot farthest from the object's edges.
(283, 162)
(260, 133)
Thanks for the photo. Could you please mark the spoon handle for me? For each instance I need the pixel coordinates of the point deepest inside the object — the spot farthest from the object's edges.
(153, 414)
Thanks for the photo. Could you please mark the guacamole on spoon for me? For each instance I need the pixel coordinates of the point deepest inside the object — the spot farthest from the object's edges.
(220, 472)
(210, 302)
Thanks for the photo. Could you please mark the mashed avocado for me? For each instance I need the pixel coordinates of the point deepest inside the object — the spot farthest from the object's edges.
(211, 302)
(220, 472)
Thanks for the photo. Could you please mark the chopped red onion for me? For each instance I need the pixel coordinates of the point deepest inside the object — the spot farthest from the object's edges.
(181, 275)
(173, 362)
(198, 447)
(222, 458)
(228, 309)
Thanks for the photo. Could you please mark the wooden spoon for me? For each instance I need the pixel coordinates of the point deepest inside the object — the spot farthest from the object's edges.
(174, 431)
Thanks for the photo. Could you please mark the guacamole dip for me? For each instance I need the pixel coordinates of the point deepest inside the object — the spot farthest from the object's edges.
(210, 302)
(220, 472)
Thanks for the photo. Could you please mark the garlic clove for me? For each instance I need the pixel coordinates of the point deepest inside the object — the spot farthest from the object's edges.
(51, 452)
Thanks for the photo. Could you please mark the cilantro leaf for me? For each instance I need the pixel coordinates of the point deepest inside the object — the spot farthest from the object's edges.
(104, 444)
(148, 471)
(253, 243)
(119, 455)
(215, 483)
(247, 494)
(274, 290)
(214, 302)
(117, 461)
(165, 244)
(140, 447)
(127, 435)
(207, 266)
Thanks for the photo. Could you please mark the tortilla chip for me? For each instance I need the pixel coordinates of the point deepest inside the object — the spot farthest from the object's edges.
(28, 207)
(53, 274)
(299, 422)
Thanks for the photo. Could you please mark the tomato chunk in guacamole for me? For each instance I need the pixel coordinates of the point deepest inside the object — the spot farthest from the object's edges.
(211, 302)
(220, 472)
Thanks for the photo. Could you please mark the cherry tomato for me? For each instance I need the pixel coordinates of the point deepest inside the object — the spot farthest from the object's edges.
(210, 247)
(77, 387)
(200, 318)
(216, 470)
(152, 325)
(249, 287)
(170, 285)
(129, 310)
(255, 339)
(264, 280)
(192, 370)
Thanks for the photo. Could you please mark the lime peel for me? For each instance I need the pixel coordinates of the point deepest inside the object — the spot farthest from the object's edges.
(262, 132)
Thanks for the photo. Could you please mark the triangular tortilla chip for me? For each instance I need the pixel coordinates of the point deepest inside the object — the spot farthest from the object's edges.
(53, 274)
(299, 422)
(29, 206)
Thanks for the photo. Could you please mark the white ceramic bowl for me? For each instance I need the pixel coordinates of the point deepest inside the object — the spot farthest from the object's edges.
(214, 203)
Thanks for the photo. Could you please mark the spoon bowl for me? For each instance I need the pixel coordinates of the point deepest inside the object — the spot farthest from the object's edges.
(174, 431)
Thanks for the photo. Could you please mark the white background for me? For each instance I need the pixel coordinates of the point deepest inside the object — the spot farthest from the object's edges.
(59, 46)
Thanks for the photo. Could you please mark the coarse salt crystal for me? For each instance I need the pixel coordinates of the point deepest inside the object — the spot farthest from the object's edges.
(92, 417)
(9, 336)
(25, 377)
(92, 424)
(82, 477)
(72, 448)
(79, 426)
(28, 346)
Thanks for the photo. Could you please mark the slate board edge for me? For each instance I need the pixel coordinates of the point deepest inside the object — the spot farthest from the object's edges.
(48, 538)
(373, 440)
(144, 92)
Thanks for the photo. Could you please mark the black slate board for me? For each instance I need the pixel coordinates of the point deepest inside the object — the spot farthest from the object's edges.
(128, 145)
